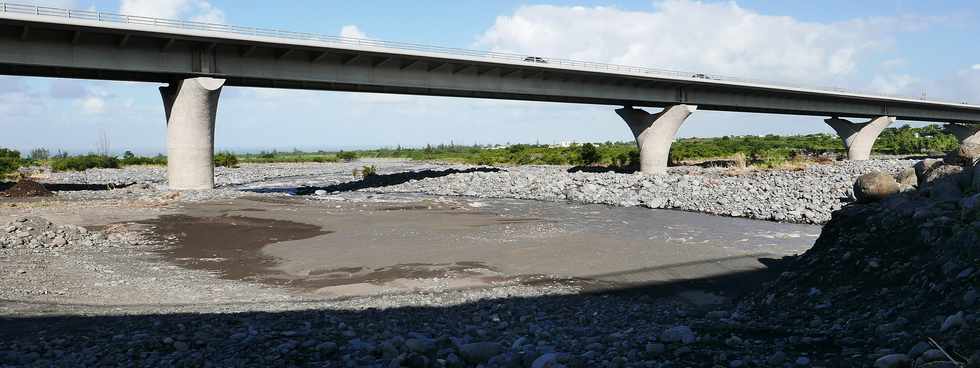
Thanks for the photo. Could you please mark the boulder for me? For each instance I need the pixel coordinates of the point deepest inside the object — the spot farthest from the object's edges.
(965, 155)
(976, 177)
(939, 172)
(970, 207)
(946, 191)
(682, 334)
(922, 168)
(893, 361)
(873, 187)
(479, 352)
(907, 177)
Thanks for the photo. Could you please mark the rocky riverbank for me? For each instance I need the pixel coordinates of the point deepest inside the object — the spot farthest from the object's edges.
(802, 196)
(807, 195)
(892, 282)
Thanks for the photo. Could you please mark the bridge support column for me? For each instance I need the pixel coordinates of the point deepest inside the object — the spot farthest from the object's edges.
(191, 106)
(966, 133)
(655, 133)
(859, 138)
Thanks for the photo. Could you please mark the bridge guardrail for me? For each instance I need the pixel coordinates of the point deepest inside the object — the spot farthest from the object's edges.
(341, 41)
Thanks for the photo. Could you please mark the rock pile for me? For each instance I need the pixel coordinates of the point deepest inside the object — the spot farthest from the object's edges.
(37, 232)
(802, 196)
(887, 276)
(26, 188)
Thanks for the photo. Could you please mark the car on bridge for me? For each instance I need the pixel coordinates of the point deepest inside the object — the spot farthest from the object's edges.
(701, 76)
(535, 59)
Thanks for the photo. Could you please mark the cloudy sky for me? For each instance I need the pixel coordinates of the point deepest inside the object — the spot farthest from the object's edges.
(896, 47)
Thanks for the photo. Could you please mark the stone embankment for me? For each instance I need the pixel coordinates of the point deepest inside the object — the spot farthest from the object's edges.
(891, 281)
(803, 196)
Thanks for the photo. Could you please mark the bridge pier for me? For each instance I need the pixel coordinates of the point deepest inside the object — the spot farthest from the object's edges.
(654, 133)
(966, 133)
(191, 106)
(859, 138)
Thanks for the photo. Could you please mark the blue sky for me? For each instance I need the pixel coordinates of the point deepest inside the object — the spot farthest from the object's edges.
(900, 47)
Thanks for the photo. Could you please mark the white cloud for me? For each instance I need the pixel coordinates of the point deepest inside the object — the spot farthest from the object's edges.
(894, 84)
(195, 10)
(93, 105)
(975, 67)
(721, 38)
(352, 31)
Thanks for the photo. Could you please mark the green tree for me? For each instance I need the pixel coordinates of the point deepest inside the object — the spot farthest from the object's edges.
(588, 154)
(9, 160)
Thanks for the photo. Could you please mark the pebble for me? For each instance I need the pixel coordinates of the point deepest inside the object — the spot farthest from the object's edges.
(682, 334)
(479, 352)
(953, 321)
(893, 361)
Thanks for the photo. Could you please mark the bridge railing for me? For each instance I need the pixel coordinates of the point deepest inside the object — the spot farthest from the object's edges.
(350, 41)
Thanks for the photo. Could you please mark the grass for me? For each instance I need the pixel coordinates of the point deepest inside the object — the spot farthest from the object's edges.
(82, 163)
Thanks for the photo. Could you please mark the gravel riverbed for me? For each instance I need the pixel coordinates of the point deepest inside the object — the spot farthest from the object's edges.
(890, 284)
(802, 196)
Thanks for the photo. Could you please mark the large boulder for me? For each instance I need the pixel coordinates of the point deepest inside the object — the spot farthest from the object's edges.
(907, 177)
(976, 177)
(924, 167)
(873, 187)
(966, 154)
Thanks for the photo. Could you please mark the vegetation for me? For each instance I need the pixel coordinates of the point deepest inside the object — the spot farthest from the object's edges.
(39, 154)
(907, 140)
(588, 154)
(347, 156)
(295, 156)
(759, 151)
(369, 170)
(129, 159)
(85, 162)
(225, 159)
(10, 161)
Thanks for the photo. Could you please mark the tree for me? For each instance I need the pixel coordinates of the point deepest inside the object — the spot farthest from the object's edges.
(9, 160)
(588, 154)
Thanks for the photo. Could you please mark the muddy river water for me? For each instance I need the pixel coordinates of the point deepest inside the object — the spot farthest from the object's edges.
(364, 244)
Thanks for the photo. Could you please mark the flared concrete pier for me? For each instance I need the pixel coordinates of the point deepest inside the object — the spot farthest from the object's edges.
(859, 138)
(655, 133)
(191, 106)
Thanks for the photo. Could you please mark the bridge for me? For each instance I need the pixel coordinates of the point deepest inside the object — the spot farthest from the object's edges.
(196, 60)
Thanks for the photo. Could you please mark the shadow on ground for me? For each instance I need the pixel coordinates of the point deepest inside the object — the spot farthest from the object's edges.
(382, 180)
(55, 187)
(525, 328)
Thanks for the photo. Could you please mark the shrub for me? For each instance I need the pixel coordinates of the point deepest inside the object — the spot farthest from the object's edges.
(225, 159)
(588, 154)
(628, 159)
(39, 154)
(9, 160)
(85, 162)
(347, 156)
(130, 159)
(369, 170)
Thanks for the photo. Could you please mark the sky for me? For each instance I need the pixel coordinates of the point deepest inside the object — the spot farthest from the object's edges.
(910, 48)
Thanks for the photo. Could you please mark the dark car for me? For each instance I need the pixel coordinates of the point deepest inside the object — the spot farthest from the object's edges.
(535, 59)
(701, 76)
